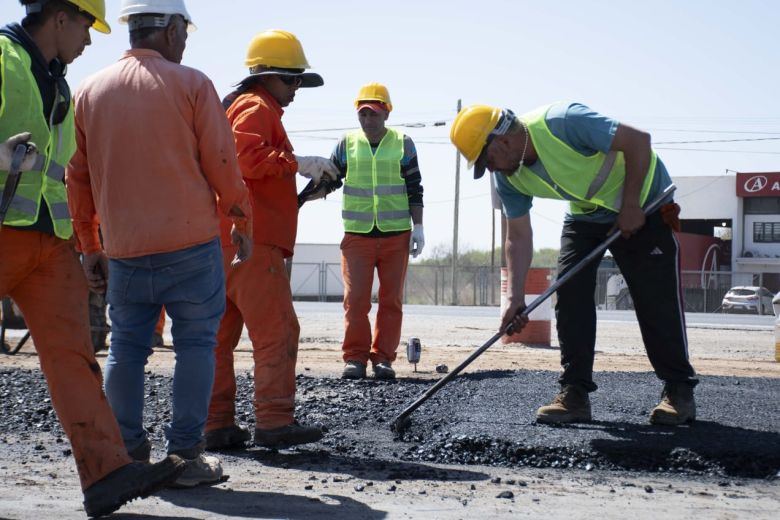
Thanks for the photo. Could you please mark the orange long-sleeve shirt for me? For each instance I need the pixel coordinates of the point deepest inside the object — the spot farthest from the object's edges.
(155, 157)
(268, 166)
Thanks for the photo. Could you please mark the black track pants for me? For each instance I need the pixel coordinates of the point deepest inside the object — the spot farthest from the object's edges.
(649, 261)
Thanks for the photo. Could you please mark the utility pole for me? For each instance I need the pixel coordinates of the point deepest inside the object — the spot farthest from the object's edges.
(492, 254)
(454, 277)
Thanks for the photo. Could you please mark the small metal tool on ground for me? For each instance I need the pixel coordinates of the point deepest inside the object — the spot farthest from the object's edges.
(413, 351)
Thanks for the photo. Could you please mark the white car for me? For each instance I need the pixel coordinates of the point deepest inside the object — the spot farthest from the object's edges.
(756, 300)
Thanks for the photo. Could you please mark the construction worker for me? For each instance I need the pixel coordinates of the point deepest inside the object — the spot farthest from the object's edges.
(382, 190)
(608, 172)
(39, 267)
(258, 292)
(152, 166)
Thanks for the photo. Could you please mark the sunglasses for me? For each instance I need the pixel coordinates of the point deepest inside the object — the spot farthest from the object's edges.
(290, 80)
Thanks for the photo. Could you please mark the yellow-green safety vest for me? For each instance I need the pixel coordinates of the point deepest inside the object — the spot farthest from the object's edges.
(588, 182)
(22, 111)
(374, 191)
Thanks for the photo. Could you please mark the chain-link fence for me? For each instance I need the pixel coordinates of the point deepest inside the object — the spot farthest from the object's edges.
(481, 286)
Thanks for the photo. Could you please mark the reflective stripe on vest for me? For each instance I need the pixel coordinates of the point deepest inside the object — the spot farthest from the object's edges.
(56, 144)
(374, 191)
(588, 182)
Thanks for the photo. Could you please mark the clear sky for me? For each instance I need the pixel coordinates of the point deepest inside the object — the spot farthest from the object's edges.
(685, 71)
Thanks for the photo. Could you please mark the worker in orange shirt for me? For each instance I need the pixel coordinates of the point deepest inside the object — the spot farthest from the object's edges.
(39, 268)
(258, 292)
(152, 168)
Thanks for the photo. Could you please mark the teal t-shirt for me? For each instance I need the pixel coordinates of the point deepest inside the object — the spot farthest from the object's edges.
(587, 132)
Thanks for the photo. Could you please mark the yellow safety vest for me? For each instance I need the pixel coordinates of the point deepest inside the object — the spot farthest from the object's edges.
(588, 182)
(22, 111)
(374, 191)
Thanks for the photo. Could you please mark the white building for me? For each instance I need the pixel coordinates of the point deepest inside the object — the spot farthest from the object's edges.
(743, 210)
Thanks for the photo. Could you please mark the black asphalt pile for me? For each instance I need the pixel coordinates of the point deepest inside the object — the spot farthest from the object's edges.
(487, 418)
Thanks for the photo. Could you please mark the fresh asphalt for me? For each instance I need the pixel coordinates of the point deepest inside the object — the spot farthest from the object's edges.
(486, 418)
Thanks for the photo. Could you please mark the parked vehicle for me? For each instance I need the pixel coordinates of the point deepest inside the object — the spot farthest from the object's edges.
(756, 300)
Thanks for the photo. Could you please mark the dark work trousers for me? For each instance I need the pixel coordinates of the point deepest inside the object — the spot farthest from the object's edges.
(650, 264)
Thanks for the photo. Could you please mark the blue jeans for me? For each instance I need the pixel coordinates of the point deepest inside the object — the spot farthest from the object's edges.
(190, 283)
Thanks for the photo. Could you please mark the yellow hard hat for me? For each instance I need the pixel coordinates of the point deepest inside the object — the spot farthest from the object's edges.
(276, 48)
(277, 52)
(96, 8)
(470, 130)
(374, 92)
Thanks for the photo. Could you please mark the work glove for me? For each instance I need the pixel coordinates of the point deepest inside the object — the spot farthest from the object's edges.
(7, 152)
(96, 270)
(314, 168)
(416, 241)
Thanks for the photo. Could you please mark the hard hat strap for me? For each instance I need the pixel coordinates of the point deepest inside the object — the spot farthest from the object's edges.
(146, 21)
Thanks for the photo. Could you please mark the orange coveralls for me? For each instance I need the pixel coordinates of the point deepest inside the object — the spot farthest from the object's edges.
(43, 275)
(258, 291)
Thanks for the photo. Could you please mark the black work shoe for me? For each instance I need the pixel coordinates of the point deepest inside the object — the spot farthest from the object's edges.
(572, 404)
(384, 370)
(354, 370)
(233, 436)
(289, 435)
(134, 480)
(142, 453)
(676, 407)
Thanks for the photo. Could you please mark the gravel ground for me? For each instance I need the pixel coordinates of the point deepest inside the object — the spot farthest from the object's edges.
(472, 450)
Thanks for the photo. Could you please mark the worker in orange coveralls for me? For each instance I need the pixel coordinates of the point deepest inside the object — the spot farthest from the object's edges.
(39, 268)
(383, 224)
(258, 292)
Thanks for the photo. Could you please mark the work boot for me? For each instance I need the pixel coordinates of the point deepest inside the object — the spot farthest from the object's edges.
(289, 435)
(233, 436)
(384, 370)
(135, 480)
(354, 370)
(572, 404)
(142, 453)
(203, 469)
(676, 407)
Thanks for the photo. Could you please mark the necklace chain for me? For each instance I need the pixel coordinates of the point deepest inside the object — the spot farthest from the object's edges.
(525, 146)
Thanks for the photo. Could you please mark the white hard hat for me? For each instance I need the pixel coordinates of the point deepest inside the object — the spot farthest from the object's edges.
(163, 7)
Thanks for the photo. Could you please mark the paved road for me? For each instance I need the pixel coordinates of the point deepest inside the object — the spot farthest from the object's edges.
(698, 320)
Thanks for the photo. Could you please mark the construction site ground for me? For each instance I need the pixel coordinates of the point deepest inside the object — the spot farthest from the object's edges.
(473, 450)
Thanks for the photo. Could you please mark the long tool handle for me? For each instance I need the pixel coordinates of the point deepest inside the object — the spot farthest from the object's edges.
(397, 424)
(12, 181)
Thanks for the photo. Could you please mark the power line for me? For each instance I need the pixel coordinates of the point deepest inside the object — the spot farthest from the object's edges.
(746, 140)
(717, 151)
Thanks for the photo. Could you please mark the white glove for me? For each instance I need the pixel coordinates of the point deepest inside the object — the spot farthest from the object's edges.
(313, 168)
(7, 152)
(416, 241)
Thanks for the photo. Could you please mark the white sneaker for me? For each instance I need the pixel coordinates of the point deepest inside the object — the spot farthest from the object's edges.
(204, 469)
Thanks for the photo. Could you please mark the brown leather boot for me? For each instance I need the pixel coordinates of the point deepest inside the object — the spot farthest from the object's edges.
(572, 404)
(676, 407)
